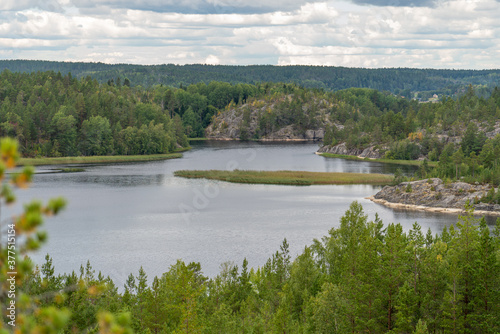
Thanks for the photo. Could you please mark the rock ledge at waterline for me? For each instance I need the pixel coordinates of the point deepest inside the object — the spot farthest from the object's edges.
(434, 196)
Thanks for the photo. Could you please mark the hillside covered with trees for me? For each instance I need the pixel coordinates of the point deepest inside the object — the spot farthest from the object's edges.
(400, 81)
(53, 115)
(461, 134)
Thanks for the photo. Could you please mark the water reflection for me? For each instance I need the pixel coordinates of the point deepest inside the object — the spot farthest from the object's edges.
(121, 180)
(289, 156)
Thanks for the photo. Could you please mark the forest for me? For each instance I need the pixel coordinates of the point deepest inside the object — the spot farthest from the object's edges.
(52, 115)
(401, 81)
(55, 115)
(461, 135)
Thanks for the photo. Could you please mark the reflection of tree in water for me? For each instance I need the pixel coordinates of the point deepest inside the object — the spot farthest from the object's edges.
(122, 180)
(357, 166)
(230, 144)
(401, 214)
(407, 170)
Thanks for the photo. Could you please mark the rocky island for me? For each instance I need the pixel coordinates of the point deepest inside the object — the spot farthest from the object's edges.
(436, 196)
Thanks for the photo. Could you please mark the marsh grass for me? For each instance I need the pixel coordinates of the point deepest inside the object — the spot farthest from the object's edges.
(97, 159)
(72, 170)
(284, 177)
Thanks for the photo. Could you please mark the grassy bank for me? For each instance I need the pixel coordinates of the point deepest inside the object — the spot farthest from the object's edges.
(386, 161)
(286, 177)
(97, 159)
(198, 139)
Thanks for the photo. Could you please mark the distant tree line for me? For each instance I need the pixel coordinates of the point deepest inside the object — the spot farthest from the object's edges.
(401, 81)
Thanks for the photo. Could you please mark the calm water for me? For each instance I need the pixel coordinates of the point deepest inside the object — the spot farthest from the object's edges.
(122, 216)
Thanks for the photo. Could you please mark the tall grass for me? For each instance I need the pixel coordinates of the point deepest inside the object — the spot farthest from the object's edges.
(97, 159)
(286, 177)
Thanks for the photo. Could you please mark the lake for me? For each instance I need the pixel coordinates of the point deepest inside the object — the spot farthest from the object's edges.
(124, 216)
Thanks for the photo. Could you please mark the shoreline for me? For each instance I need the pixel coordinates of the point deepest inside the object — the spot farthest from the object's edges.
(82, 160)
(386, 161)
(413, 207)
(265, 139)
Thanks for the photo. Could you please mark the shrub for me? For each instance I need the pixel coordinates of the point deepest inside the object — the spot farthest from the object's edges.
(398, 177)
(496, 198)
(403, 150)
(490, 197)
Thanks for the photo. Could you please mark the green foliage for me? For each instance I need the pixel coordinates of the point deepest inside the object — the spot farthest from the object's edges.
(398, 177)
(55, 115)
(403, 150)
(359, 278)
(409, 130)
(64, 132)
(424, 81)
(473, 140)
(60, 115)
(96, 136)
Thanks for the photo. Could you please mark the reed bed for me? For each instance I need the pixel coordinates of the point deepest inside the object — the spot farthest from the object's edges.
(97, 159)
(285, 177)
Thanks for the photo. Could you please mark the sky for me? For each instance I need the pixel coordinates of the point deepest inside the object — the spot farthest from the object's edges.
(456, 34)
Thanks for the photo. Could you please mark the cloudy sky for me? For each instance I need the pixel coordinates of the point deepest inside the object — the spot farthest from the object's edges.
(355, 33)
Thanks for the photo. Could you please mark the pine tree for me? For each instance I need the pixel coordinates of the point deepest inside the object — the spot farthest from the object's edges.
(394, 271)
(486, 284)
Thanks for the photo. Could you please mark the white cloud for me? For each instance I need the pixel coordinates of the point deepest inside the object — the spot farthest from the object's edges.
(195, 6)
(212, 60)
(452, 34)
(47, 5)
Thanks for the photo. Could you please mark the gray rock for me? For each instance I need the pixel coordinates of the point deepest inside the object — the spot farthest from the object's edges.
(341, 149)
(314, 134)
(229, 124)
(433, 193)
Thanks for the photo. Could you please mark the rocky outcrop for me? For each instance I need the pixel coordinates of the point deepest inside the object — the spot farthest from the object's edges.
(244, 122)
(370, 152)
(446, 137)
(317, 134)
(287, 133)
(434, 195)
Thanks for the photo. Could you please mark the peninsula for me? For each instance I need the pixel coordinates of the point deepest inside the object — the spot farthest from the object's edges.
(436, 196)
